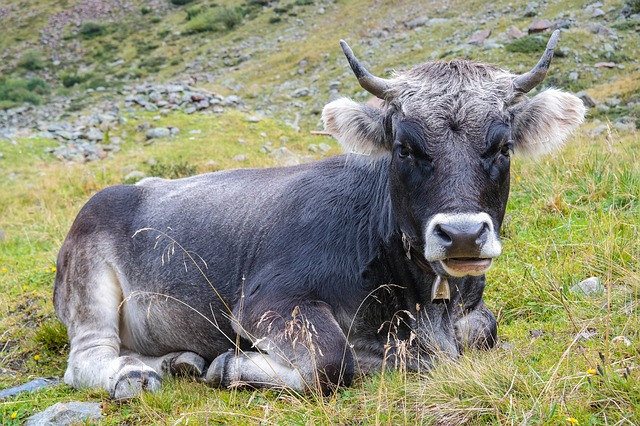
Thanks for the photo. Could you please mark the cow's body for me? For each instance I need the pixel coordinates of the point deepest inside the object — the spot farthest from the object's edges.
(302, 276)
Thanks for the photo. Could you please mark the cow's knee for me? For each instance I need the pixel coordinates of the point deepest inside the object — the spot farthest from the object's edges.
(302, 349)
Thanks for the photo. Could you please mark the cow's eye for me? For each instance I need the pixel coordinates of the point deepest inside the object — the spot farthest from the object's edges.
(403, 152)
(506, 149)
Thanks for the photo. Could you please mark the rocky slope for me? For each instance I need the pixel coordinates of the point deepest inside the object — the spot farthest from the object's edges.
(281, 59)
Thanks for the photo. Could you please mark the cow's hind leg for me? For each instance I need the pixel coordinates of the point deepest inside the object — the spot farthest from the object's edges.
(88, 299)
(302, 350)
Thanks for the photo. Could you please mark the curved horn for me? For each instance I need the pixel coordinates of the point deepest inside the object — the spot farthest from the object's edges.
(375, 85)
(527, 81)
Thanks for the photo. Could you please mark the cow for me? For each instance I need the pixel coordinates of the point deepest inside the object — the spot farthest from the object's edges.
(301, 277)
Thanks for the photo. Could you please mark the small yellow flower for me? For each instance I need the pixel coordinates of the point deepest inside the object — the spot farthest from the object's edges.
(36, 357)
(518, 178)
(573, 421)
(14, 415)
(592, 371)
(4, 270)
(53, 269)
(47, 270)
(24, 288)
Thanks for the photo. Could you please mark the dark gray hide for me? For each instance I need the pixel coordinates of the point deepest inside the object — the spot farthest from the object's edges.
(303, 276)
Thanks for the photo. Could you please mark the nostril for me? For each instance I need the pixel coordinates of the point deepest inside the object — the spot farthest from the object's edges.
(443, 234)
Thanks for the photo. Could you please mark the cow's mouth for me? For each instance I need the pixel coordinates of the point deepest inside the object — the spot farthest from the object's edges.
(462, 266)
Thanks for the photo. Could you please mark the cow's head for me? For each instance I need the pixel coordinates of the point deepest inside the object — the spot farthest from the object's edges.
(449, 129)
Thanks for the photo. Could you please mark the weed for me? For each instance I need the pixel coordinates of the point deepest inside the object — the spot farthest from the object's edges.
(214, 20)
(90, 30)
(531, 45)
(172, 170)
(18, 91)
(31, 60)
(71, 79)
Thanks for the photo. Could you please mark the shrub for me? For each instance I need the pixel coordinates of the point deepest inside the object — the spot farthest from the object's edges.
(71, 79)
(528, 45)
(31, 60)
(144, 10)
(194, 11)
(18, 91)
(89, 30)
(214, 20)
(181, 2)
(172, 171)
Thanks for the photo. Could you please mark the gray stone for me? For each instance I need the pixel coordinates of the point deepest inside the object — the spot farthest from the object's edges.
(94, 134)
(285, 157)
(324, 147)
(417, 22)
(301, 93)
(240, 157)
(135, 175)
(33, 385)
(158, 132)
(589, 287)
(66, 413)
(597, 13)
(587, 100)
(253, 119)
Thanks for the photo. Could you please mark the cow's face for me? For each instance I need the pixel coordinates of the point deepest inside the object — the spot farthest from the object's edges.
(450, 130)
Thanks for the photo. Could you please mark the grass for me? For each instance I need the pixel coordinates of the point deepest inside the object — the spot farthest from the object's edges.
(571, 216)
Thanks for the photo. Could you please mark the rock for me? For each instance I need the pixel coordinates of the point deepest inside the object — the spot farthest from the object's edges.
(586, 335)
(285, 157)
(515, 33)
(587, 100)
(301, 93)
(589, 287)
(252, 119)
(135, 176)
(33, 385)
(324, 147)
(612, 102)
(240, 157)
(539, 26)
(67, 413)
(597, 13)
(417, 22)
(190, 110)
(605, 65)
(479, 37)
(158, 132)
(574, 75)
(94, 134)
(531, 10)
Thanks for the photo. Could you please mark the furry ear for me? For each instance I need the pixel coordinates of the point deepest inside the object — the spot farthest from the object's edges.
(542, 124)
(358, 127)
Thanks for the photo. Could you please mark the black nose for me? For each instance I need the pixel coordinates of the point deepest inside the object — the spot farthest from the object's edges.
(461, 241)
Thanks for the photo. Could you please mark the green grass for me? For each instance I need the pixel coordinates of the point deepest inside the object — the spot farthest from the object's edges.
(572, 215)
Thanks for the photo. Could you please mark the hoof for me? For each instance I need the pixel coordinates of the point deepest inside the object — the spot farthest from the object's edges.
(219, 372)
(133, 383)
(187, 364)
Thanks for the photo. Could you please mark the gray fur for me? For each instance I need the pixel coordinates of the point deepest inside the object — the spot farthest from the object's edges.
(301, 277)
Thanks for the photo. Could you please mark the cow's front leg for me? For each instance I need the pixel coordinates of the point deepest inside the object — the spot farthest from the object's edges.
(477, 328)
(304, 349)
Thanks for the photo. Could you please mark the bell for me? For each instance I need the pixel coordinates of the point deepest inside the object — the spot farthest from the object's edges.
(440, 291)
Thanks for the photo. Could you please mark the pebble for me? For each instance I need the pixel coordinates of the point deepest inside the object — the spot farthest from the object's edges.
(589, 287)
(67, 413)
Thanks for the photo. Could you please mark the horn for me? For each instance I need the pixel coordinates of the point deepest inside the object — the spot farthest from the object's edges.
(375, 85)
(527, 81)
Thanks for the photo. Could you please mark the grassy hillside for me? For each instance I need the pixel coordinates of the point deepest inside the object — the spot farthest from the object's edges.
(563, 357)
